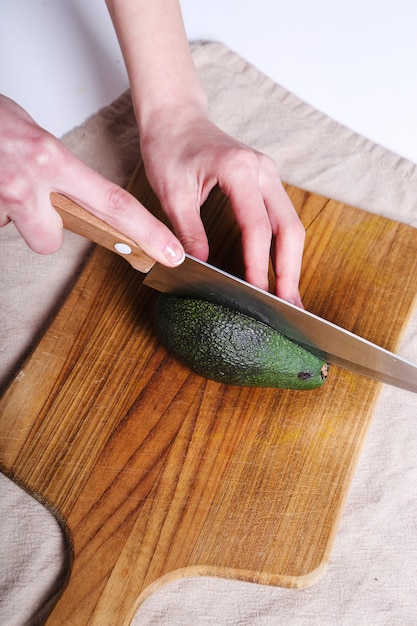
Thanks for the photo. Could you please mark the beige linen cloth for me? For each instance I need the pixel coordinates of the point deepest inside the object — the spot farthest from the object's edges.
(372, 577)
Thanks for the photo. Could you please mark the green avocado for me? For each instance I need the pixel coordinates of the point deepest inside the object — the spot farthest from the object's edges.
(229, 347)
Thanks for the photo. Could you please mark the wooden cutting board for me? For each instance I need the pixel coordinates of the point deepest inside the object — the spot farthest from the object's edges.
(156, 473)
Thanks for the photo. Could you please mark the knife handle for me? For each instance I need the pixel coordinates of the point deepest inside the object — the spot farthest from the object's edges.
(82, 222)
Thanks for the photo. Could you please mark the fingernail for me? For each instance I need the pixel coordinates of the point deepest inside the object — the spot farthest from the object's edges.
(174, 253)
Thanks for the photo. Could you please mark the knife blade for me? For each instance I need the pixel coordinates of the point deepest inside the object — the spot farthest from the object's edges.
(199, 279)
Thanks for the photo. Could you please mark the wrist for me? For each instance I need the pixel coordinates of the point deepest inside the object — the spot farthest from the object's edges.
(170, 108)
(171, 113)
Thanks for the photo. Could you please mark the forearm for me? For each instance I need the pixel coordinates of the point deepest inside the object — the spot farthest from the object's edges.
(157, 56)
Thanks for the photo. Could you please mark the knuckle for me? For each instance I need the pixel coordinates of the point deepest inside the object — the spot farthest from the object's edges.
(189, 241)
(267, 164)
(117, 201)
(243, 160)
(261, 225)
(44, 150)
(16, 189)
(28, 158)
(197, 245)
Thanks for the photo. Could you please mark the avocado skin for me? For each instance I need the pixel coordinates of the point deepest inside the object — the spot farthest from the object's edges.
(233, 348)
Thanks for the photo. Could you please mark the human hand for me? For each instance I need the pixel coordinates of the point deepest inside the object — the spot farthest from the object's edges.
(185, 155)
(33, 163)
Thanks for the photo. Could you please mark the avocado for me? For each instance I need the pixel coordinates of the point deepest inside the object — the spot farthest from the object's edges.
(233, 348)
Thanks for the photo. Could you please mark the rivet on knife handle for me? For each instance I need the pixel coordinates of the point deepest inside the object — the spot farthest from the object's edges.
(80, 221)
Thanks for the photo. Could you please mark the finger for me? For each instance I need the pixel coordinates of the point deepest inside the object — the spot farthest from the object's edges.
(241, 185)
(190, 231)
(181, 204)
(23, 202)
(42, 230)
(36, 221)
(288, 242)
(256, 235)
(124, 212)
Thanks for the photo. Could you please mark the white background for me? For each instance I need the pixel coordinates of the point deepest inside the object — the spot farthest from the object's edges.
(353, 59)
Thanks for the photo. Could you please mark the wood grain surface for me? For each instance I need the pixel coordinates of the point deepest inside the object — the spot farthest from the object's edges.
(156, 473)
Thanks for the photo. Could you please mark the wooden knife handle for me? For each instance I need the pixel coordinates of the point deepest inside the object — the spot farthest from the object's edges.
(80, 221)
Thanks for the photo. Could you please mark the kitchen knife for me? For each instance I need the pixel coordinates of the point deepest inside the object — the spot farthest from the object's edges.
(198, 279)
